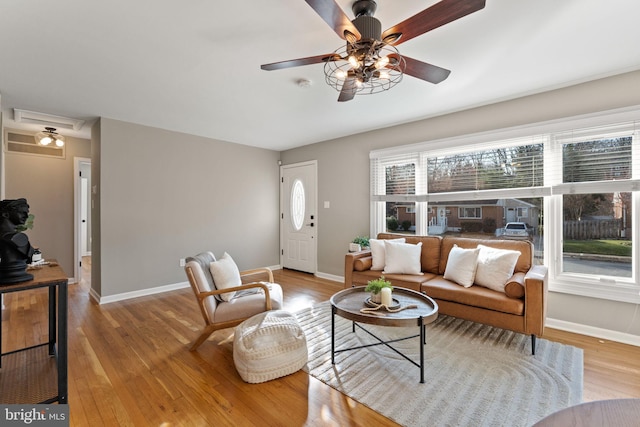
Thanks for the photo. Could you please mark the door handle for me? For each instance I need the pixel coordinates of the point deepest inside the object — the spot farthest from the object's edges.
(310, 224)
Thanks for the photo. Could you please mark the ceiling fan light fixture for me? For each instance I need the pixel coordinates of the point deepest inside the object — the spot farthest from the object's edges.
(379, 68)
(48, 136)
(382, 62)
(341, 74)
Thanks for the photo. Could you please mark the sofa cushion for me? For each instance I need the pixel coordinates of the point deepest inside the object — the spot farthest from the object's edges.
(402, 258)
(378, 252)
(462, 265)
(514, 288)
(476, 296)
(495, 267)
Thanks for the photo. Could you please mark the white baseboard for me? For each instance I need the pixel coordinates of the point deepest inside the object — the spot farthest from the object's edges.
(139, 293)
(331, 277)
(593, 331)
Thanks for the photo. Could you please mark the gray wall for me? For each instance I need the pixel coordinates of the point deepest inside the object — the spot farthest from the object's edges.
(343, 175)
(47, 184)
(166, 195)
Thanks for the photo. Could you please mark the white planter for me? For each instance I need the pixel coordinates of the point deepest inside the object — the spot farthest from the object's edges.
(354, 247)
(377, 298)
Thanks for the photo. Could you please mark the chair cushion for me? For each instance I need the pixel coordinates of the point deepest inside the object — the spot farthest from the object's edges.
(225, 275)
(247, 304)
(268, 346)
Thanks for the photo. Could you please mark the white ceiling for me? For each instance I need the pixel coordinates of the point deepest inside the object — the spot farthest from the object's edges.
(194, 66)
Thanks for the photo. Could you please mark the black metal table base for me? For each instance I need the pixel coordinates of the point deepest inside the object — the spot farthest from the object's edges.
(422, 336)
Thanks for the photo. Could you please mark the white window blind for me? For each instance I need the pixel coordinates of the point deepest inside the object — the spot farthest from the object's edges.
(597, 160)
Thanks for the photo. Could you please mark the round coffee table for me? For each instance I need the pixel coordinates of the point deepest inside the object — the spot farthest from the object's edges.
(349, 303)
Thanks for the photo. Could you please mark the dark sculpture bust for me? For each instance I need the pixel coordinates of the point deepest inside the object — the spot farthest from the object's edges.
(15, 249)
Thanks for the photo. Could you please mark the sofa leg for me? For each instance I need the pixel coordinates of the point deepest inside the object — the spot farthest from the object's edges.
(533, 344)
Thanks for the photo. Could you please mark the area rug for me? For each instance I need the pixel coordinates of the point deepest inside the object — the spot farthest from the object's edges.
(475, 375)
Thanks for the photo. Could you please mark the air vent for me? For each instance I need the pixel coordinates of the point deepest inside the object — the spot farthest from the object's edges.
(21, 143)
(33, 117)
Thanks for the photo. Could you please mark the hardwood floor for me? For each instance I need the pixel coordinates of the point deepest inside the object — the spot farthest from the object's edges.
(129, 364)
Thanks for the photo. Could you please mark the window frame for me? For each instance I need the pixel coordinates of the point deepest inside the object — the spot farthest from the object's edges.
(591, 285)
(477, 208)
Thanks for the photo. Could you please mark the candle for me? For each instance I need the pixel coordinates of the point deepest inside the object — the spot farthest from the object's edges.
(385, 296)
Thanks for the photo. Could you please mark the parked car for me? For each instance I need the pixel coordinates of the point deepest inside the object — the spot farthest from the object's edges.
(516, 230)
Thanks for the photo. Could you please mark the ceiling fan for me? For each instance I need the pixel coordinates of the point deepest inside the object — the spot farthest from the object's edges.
(369, 62)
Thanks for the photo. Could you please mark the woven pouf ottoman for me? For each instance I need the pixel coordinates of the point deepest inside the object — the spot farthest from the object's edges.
(269, 345)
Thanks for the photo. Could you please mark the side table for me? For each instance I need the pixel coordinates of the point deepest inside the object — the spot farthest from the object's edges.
(38, 374)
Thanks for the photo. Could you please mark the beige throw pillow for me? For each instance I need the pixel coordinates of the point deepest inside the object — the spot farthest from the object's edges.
(225, 275)
(461, 265)
(402, 258)
(495, 267)
(378, 252)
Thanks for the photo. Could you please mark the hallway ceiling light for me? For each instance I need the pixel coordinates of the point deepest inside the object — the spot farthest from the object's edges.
(49, 136)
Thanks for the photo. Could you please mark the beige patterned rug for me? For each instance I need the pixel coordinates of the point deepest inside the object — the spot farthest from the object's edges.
(475, 375)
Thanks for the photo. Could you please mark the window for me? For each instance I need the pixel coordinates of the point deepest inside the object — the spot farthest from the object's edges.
(582, 186)
(596, 216)
(470, 213)
(396, 187)
(297, 204)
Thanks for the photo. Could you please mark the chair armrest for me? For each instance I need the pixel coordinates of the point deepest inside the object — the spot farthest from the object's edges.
(349, 260)
(263, 270)
(264, 287)
(535, 299)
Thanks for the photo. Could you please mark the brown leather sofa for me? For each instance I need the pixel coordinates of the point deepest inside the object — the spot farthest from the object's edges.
(521, 308)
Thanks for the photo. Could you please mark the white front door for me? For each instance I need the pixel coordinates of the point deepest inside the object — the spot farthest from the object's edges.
(299, 217)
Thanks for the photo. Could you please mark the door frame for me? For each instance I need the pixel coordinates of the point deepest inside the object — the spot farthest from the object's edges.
(313, 163)
(77, 210)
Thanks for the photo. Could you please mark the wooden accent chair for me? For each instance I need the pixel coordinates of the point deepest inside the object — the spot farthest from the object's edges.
(250, 299)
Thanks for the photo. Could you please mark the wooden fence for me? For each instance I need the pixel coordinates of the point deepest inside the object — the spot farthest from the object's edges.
(592, 229)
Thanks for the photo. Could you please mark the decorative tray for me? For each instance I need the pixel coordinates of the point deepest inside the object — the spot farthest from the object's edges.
(369, 303)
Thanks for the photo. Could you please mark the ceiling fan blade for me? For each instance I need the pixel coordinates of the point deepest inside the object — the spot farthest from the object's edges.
(433, 17)
(335, 17)
(348, 90)
(422, 70)
(301, 61)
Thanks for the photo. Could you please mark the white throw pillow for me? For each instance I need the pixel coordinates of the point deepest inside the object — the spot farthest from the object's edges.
(461, 265)
(378, 258)
(225, 275)
(495, 267)
(402, 258)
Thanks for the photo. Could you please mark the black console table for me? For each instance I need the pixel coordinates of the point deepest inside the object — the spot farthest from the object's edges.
(38, 374)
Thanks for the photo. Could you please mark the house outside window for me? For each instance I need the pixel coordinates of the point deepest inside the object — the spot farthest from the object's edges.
(577, 191)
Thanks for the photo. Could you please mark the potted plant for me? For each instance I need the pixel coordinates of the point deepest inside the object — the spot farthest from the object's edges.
(375, 286)
(358, 244)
